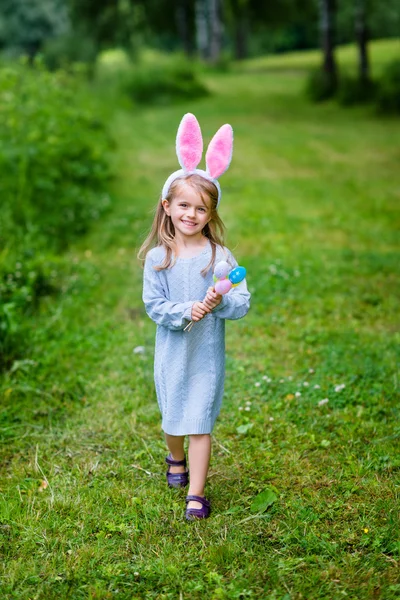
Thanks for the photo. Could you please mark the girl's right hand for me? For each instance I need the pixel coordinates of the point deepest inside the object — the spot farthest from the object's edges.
(199, 310)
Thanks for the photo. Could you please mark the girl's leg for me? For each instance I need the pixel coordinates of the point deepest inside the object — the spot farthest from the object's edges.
(175, 446)
(199, 460)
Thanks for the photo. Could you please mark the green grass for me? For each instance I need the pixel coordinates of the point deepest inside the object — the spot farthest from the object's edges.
(311, 207)
(380, 52)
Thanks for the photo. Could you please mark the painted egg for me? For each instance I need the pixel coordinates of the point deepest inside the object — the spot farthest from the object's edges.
(221, 269)
(237, 275)
(223, 286)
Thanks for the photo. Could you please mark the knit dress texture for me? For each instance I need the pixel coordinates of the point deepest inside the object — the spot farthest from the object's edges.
(189, 367)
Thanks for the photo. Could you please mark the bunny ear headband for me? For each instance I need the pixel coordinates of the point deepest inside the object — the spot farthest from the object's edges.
(189, 149)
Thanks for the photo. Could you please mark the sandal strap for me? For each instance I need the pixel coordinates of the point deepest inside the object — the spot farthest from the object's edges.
(175, 463)
(200, 499)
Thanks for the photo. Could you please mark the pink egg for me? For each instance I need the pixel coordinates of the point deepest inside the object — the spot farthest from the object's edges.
(223, 286)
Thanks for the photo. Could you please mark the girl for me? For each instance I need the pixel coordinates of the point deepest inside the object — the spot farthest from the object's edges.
(189, 366)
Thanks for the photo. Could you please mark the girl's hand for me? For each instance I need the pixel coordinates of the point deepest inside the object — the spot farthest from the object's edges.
(212, 299)
(199, 310)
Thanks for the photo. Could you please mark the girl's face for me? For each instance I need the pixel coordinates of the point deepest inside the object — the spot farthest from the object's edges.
(188, 211)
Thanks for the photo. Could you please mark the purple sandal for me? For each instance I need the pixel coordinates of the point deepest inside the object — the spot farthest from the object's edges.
(198, 513)
(177, 480)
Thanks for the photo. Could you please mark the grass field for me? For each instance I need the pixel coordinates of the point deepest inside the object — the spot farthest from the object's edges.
(310, 417)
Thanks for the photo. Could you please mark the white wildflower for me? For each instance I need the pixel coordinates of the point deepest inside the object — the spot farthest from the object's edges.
(306, 384)
(271, 418)
(240, 408)
(139, 350)
(298, 394)
(290, 378)
(340, 387)
(248, 402)
(311, 371)
(247, 408)
(257, 384)
(317, 387)
(324, 401)
(281, 381)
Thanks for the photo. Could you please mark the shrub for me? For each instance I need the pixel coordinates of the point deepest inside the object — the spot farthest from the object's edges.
(353, 90)
(22, 285)
(163, 84)
(67, 50)
(53, 171)
(53, 157)
(320, 85)
(388, 92)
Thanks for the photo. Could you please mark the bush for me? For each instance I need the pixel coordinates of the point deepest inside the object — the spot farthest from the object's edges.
(320, 85)
(353, 90)
(53, 171)
(163, 84)
(53, 158)
(22, 285)
(68, 50)
(388, 92)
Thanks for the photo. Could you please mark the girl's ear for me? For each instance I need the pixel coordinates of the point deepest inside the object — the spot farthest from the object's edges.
(189, 143)
(165, 205)
(219, 152)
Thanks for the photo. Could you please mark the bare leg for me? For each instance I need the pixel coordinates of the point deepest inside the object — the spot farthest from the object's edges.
(176, 448)
(199, 461)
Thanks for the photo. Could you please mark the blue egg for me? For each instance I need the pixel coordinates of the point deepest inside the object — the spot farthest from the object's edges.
(237, 274)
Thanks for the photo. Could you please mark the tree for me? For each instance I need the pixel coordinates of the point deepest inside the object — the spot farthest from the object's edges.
(28, 24)
(215, 25)
(240, 14)
(327, 33)
(361, 33)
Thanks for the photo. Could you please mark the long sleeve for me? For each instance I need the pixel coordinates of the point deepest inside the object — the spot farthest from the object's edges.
(173, 315)
(236, 303)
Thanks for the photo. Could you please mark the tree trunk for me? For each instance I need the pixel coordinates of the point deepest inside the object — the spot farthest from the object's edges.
(327, 26)
(184, 29)
(202, 37)
(214, 12)
(362, 41)
(239, 10)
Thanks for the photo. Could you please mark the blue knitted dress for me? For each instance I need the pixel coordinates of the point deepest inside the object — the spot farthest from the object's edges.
(189, 367)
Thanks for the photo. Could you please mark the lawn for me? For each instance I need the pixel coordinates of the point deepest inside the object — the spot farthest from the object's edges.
(310, 417)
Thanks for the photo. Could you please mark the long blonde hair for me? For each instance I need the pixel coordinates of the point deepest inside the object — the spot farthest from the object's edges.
(163, 231)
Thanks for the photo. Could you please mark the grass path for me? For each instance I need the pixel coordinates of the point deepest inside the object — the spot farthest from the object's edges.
(311, 208)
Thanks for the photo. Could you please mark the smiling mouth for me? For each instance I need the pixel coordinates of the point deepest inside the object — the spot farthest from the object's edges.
(190, 223)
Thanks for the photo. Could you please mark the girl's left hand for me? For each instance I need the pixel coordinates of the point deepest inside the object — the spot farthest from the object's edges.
(212, 299)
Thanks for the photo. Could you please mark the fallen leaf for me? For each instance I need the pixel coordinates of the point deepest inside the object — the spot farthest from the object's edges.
(263, 500)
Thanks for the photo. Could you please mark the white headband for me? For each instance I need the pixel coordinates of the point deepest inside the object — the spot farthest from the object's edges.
(189, 149)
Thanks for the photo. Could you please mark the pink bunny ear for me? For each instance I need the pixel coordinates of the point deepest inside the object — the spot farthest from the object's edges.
(219, 152)
(189, 143)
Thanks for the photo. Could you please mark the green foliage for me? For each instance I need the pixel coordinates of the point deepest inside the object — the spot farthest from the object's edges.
(353, 90)
(22, 286)
(53, 171)
(65, 51)
(320, 85)
(26, 25)
(164, 84)
(53, 157)
(388, 93)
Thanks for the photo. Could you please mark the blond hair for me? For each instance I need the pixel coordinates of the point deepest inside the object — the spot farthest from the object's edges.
(163, 231)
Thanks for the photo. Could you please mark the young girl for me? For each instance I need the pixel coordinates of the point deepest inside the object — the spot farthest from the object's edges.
(189, 366)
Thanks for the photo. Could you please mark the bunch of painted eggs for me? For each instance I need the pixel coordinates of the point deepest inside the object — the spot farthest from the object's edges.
(225, 278)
